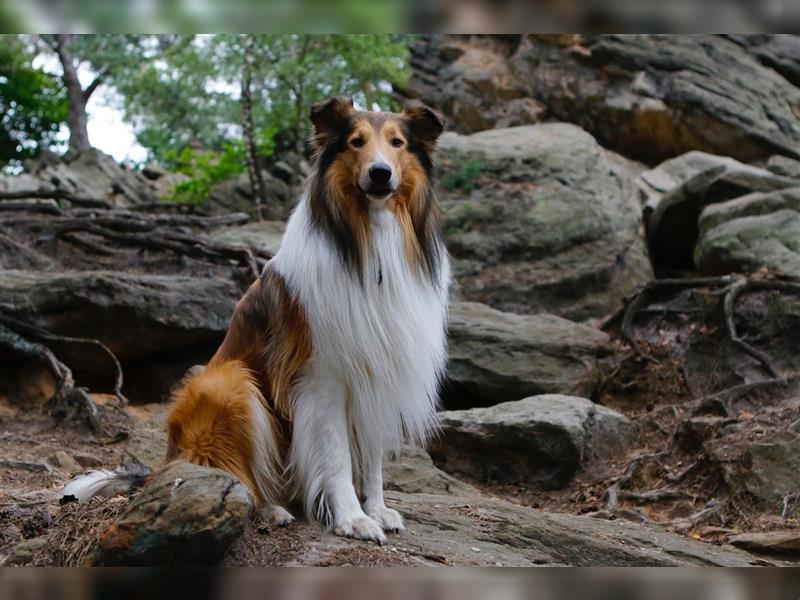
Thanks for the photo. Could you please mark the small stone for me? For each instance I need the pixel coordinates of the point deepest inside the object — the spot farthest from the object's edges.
(64, 462)
(85, 459)
(24, 552)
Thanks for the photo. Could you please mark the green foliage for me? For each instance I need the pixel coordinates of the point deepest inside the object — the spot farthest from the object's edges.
(205, 168)
(190, 93)
(32, 103)
(464, 179)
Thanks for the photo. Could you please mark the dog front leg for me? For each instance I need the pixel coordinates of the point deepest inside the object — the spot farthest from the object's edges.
(320, 456)
(372, 489)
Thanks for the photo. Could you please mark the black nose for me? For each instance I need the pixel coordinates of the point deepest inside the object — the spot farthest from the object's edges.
(380, 173)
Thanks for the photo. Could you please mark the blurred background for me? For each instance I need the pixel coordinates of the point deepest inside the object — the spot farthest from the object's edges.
(352, 16)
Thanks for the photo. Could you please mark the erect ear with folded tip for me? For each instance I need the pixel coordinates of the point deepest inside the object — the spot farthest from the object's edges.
(329, 116)
(425, 124)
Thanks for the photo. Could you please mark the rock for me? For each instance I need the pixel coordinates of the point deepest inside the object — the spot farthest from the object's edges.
(283, 172)
(177, 319)
(86, 460)
(759, 230)
(780, 52)
(153, 171)
(769, 542)
(63, 461)
(413, 472)
(235, 195)
(784, 166)
(540, 441)
(675, 193)
(147, 443)
(262, 236)
(770, 468)
(497, 357)
(33, 385)
(185, 516)
(552, 225)
(90, 174)
(647, 96)
(23, 553)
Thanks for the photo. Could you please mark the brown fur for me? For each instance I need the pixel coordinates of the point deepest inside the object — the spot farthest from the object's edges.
(265, 349)
(209, 424)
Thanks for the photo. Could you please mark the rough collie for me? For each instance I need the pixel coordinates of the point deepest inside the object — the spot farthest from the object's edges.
(334, 356)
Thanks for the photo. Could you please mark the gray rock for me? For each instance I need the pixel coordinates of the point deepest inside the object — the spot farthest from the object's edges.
(283, 171)
(147, 442)
(261, 236)
(413, 472)
(496, 357)
(540, 441)
(754, 231)
(769, 542)
(89, 174)
(235, 195)
(184, 516)
(782, 165)
(675, 193)
(24, 552)
(648, 96)
(153, 171)
(552, 225)
(134, 315)
(770, 468)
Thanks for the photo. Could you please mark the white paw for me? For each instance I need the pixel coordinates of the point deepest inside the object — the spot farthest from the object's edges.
(388, 518)
(360, 527)
(277, 515)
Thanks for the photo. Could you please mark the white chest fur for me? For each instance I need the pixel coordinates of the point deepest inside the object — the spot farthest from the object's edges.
(381, 343)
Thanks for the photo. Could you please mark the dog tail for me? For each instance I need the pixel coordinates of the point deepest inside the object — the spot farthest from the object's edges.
(123, 480)
(220, 419)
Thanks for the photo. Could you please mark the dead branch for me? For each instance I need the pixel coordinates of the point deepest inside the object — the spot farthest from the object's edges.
(685, 525)
(8, 463)
(612, 494)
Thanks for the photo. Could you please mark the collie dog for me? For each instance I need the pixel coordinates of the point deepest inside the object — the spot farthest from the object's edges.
(335, 355)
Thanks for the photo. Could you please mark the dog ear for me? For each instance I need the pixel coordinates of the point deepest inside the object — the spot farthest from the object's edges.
(327, 116)
(424, 123)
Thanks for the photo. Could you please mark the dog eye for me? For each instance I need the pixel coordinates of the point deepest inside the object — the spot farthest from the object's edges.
(357, 142)
(397, 142)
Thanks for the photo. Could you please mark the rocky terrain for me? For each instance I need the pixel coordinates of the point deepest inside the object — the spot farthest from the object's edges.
(623, 214)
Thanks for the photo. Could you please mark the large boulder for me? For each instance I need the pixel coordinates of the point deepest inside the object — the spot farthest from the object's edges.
(759, 230)
(88, 174)
(648, 96)
(770, 468)
(676, 192)
(236, 195)
(495, 357)
(541, 441)
(541, 219)
(263, 237)
(185, 515)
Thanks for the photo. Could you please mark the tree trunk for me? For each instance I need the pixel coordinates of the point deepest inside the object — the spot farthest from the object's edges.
(251, 148)
(76, 98)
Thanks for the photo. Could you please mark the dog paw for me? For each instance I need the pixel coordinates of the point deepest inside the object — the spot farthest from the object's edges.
(277, 515)
(362, 528)
(388, 518)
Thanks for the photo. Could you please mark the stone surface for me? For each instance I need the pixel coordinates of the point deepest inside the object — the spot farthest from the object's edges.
(675, 193)
(184, 516)
(88, 174)
(235, 195)
(541, 219)
(24, 552)
(648, 96)
(769, 542)
(262, 236)
(497, 357)
(413, 472)
(541, 441)
(751, 232)
(770, 468)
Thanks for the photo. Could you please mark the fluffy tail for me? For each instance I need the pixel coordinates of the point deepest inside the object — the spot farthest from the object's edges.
(220, 419)
(122, 480)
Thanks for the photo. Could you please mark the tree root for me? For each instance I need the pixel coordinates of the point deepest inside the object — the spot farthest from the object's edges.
(56, 194)
(732, 287)
(69, 403)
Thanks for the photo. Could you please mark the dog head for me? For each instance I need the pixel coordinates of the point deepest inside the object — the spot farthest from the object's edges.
(373, 155)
